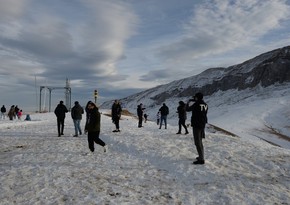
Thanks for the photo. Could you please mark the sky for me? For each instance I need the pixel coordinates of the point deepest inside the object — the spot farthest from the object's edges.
(121, 47)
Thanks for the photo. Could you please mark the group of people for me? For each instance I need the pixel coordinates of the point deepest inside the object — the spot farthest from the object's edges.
(93, 118)
(198, 120)
(14, 112)
(92, 126)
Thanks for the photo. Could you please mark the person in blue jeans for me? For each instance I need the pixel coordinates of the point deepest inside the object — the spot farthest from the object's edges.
(164, 111)
(76, 114)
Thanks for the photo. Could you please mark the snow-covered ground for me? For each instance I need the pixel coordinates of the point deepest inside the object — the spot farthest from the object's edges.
(143, 166)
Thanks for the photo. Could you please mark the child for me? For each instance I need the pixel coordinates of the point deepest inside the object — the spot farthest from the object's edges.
(158, 117)
(19, 114)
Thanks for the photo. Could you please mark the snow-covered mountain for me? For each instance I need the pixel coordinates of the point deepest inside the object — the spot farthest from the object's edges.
(231, 93)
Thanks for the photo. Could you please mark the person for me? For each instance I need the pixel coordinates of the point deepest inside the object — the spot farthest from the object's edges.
(198, 121)
(60, 111)
(145, 117)
(76, 114)
(158, 117)
(140, 111)
(27, 118)
(164, 111)
(116, 115)
(93, 127)
(16, 110)
(19, 114)
(181, 110)
(3, 112)
(11, 112)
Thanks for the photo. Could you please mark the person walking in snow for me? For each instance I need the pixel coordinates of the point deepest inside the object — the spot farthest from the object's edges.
(181, 110)
(198, 121)
(93, 127)
(116, 115)
(76, 114)
(140, 114)
(60, 111)
(11, 112)
(164, 111)
(3, 112)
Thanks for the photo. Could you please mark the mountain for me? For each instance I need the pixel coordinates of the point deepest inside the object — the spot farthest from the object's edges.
(251, 99)
(264, 70)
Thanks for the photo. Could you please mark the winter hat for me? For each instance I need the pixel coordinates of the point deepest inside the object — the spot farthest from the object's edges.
(61, 102)
(199, 96)
(76, 102)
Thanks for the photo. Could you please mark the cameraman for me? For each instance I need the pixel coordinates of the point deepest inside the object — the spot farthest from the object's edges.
(198, 120)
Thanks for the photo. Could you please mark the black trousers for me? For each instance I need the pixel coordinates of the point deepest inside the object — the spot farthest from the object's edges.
(198, 134)
(140, 121)
(117, 123)
(60, 125)
(94, 137)
(181, 122)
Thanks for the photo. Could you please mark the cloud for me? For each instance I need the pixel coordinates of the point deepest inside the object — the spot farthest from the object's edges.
(219, 26)
(90, 45)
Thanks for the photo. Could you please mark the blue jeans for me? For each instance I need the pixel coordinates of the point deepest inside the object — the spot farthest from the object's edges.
(77, 124)
(163, 118)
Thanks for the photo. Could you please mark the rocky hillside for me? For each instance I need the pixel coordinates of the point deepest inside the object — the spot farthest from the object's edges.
(264, 70)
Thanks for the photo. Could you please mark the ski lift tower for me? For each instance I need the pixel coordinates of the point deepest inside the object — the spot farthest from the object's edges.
(67, 95)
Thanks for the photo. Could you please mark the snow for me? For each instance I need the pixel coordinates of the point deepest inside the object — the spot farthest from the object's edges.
(143, 166)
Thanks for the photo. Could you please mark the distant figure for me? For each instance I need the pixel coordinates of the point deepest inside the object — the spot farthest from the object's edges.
(145, 118)
(116, 115)
(140, 114)
(19, 114)
(158, 117)
(60, 111)
(27, 118)
(164, 111)
(3, 112)
(93, 127)
(198, 120)
(11, 112)
(76, 114)
(16, 110)
(181, 110)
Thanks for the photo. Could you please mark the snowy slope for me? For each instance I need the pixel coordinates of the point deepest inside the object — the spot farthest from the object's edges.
(250, 99)
(143, 166)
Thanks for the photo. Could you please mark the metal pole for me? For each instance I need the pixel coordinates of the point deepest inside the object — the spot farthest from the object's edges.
(40, 99)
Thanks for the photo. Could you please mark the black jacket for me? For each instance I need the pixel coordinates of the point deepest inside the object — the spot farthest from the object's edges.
(60, 111)
(116, 111)
(181, 110)
(199, 114)
(164, 110)
(76, 112)
(3, 109)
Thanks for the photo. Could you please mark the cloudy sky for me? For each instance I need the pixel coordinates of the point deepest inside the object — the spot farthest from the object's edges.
(121, 47)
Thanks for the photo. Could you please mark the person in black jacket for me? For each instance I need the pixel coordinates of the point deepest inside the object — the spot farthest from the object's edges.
(93, 127)
(60, 111)
(198, 121)
(116, 115)
(3, 112)
(164, 111)
(181, 110)
(76, 114)
(140, 114)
